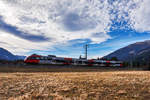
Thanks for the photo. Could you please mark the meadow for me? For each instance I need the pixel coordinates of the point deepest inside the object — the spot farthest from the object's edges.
(90, 84)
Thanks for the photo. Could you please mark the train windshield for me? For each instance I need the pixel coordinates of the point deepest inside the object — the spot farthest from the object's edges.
(33, 58)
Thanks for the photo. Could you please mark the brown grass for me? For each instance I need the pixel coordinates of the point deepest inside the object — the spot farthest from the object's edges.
(116, 85)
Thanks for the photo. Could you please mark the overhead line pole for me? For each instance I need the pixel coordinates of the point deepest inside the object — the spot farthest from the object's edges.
(86, 47)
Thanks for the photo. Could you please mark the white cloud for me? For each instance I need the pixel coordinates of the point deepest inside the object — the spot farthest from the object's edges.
(52, 17)
(60, 20)
(65, 20)
(20, 46)
(136, 13)
(140, 17)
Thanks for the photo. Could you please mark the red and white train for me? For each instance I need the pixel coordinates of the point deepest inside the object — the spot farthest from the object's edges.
(53, 60)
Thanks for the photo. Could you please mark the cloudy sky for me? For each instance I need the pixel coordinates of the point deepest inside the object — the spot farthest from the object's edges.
(63, 27)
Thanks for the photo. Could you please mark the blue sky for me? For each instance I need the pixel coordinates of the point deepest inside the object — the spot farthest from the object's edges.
(64, 27)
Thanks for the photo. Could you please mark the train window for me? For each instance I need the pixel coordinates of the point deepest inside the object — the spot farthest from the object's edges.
(94, 62)
(41, 58)
(60, 61)
(86, 62)
(80, 62)
(45, 58)
(31, 58)
(49, 58)
(37, 58)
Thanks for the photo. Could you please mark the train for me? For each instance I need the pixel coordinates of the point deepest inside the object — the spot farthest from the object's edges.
(53, 60)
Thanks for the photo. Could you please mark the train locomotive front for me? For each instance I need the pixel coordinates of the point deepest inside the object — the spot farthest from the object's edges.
(33, 59)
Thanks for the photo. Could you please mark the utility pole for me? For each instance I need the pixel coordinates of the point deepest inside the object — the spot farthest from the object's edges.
(132, 58)
(86, 46)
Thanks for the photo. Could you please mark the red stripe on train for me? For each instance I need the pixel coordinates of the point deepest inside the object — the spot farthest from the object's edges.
(107, 61)
(32, 61)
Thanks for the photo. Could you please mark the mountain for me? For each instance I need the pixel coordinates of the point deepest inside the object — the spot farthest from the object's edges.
(137, 51)
(6, 55)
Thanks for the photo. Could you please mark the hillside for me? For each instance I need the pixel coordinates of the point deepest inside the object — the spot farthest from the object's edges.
(6, 55)
(137, 51)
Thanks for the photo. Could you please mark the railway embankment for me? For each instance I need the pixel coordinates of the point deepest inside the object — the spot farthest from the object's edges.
(62, 68)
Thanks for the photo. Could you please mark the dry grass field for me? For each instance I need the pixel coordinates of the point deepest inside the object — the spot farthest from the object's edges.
(110, 85)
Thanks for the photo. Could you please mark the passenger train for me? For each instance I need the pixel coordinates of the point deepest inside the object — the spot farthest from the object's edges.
(53, 60)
